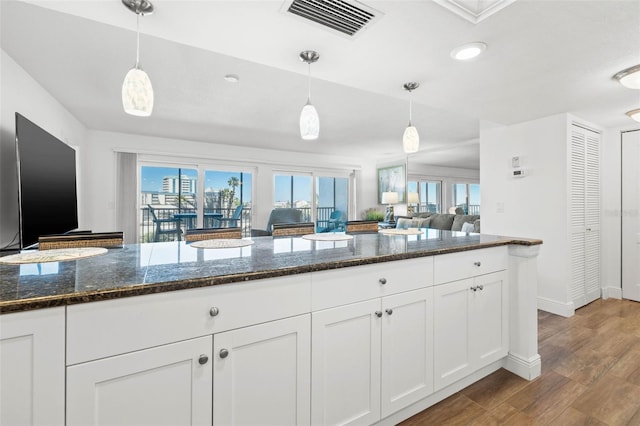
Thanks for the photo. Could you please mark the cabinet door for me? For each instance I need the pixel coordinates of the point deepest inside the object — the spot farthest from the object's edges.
(407, 349)
(345, 372)
(489, 328)
(32, 368)
(262, 373)
(165, 385)
(453, 358)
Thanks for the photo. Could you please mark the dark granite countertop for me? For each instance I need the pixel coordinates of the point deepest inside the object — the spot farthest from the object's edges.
(139, 269)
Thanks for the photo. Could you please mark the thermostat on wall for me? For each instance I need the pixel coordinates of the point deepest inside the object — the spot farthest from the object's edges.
(518, 173)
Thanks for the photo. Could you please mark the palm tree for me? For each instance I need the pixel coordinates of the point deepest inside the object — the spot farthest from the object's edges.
(233, 183)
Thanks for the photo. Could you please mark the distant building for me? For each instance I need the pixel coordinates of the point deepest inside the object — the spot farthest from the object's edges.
(184, 184)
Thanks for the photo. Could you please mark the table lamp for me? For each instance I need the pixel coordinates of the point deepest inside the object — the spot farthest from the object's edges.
(389, 198)
(412, 198)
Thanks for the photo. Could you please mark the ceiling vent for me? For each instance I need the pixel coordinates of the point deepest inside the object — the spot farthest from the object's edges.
(345, 17)
(474, 11)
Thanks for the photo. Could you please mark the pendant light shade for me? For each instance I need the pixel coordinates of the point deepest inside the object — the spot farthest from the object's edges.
(410, 138)
(137, 91)
(309, 120)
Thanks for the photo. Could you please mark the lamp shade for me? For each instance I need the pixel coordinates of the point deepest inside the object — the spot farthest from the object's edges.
(137, 93)
(410, 140)
(309, 123)
(634, 114)
(389, 198)
(412, 198)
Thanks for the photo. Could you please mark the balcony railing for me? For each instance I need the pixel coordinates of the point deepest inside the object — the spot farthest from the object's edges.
(148, 227)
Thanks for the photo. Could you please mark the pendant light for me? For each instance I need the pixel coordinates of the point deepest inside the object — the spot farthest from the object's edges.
(309, 120)
(137, 92)
(410, 139)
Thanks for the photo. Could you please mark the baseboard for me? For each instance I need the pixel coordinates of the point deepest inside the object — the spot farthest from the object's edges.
(553, 306)
(611, 292)
(438, 396)
(528, 369)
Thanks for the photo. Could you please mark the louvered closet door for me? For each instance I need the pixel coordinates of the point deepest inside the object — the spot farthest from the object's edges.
(584, 215)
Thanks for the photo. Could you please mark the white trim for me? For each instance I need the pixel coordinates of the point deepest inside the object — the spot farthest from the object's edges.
(528, 369)
(440, 395)
(555, 307)
(227, 160)
(611, 292)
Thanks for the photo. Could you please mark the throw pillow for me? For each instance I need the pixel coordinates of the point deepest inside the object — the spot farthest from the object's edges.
(467, 227)
(420, 222)
(403, 223)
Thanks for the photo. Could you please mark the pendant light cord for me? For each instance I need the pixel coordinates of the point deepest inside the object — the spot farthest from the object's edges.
(138, 40)
(410, 106)
(309, 83)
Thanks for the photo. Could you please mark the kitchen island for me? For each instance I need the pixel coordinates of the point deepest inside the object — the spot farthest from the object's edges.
(283, 331)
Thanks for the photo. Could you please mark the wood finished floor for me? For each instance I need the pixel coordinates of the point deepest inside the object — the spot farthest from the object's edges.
(590, 376)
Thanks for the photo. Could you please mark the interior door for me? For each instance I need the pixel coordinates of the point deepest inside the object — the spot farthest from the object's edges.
(631, 215)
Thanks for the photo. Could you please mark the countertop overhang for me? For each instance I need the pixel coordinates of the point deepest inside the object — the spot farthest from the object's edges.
(140, 269)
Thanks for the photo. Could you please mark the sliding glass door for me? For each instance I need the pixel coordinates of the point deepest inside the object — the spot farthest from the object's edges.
(227, 200)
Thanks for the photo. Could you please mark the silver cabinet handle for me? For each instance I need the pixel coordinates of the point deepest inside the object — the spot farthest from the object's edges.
(224, 353)
(382, 281)
(480, 287)
(474, 288)
(214, 311)
(389, 311)
(378, 313)
(203, 359)
(477, 264)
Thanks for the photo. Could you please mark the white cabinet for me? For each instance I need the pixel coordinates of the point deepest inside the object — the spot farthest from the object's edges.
(32, 368)
(470, 326)
(584, 215)
(372, 358)
(165, 385)
(262, 374)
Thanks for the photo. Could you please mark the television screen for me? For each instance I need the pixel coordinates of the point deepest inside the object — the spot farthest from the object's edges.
(47, 194)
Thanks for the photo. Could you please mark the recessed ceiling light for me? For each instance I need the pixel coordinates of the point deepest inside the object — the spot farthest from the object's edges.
(630, 77)
(468, 51)
(634, 114)
(231, 78)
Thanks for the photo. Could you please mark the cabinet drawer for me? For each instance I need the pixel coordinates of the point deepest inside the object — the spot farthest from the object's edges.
(467, 264)
(347, 285)
(101, 329)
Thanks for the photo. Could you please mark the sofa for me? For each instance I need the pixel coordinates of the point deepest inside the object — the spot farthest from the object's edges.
(444, 221)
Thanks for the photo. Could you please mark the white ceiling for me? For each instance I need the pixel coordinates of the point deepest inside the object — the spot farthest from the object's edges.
(543, 57)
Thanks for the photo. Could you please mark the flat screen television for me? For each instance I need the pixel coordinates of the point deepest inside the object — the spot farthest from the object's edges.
(47, 194)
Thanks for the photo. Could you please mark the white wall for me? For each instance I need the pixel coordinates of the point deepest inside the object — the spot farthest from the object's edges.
(534, 206)
(99, 184)
(21, 93)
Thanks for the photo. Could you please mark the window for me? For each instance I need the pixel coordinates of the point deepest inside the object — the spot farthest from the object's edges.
(429, 193)
(332, 200)
(168, 201)
(293, 191)
(322, 199)
(466, 196)
(224, 193)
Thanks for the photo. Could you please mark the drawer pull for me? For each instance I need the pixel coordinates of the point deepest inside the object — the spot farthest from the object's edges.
(474, 288)
(214, 311)
(389, 311)
(224, 353)
(378, 313)
(382, 281)
(203, 359)
(480, 287)
(477, 264)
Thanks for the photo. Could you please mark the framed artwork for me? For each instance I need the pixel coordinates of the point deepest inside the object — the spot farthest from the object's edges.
(392, 179)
